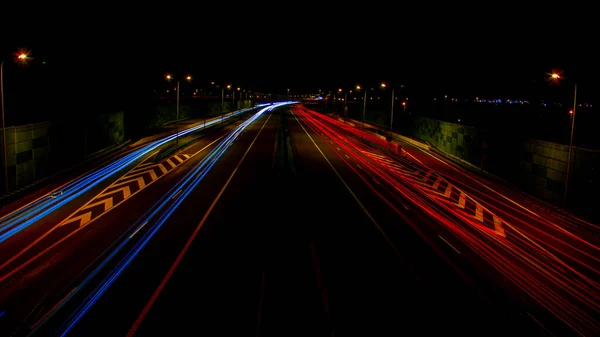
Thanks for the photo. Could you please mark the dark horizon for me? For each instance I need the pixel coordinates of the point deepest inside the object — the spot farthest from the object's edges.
(469, 71)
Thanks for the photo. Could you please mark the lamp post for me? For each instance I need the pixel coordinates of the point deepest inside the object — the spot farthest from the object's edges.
(169, 77)
(223, 102)
(556, 77)
(570, 144)
(345, 105)
(358, 87)
(392, 115)
(233, 97)
(22, 57)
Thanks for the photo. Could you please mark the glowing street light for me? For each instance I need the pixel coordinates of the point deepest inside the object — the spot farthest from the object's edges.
(223, 102)
(22, 56)
(555, 76)
(358, 87)
(383, 85)
(169, 77)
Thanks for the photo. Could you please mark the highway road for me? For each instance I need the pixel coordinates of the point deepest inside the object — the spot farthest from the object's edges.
(54, 240)
(290, 223)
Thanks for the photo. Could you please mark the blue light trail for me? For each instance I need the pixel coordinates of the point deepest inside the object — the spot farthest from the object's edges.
(24, 217)
(173, 198)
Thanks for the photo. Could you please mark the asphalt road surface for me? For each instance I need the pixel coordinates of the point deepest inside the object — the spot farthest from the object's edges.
(289, 223)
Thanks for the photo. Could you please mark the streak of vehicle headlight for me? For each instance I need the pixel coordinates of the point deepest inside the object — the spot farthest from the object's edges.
(191, 179)
(36, 211)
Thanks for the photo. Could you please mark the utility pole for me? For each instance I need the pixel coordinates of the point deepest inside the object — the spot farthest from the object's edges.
(570, 147)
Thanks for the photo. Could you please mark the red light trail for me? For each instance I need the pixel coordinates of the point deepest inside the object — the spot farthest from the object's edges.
(551, 257)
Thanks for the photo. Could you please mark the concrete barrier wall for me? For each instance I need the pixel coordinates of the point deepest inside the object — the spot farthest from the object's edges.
(543, 169)
(35, 151)
(456, 139)
(537, 167)
(27, 153)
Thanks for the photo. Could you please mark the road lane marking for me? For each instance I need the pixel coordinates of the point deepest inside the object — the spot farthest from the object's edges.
(127, 186)
(479, 212)
(187, 245)
(47, 249)
(52, 193)
(448, 191)
(462, 200)
(437, 183)
(360, 204)
(482, 184)
(346, 156)
(176, 194)
(540, 324)
(423, 177)
(142, 226)
(448, 243)
(498, 226)
(52, 309)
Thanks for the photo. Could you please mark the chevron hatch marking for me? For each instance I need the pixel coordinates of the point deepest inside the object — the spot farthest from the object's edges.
(436, 185)
(125, 187)
(83, 218)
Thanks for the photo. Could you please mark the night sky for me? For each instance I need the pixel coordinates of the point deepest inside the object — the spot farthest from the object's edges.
(125, 67)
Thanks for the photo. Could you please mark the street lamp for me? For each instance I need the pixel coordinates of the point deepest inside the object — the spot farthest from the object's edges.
(358, 87)
(340, 90)
(556, 77)
(188, 78)
(21, 57)
(233, 99)
(383, 86)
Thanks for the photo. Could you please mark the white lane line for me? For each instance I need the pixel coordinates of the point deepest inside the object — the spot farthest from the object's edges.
(448, 243)
(354, 196)
(137, 230)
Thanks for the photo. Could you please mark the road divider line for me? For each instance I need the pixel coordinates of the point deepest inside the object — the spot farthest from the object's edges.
(448, 243)
(191, 239)
(360, 204)
(138, 229)
(52, 309)
(44, 251)
(189, 182)
(176, 194)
